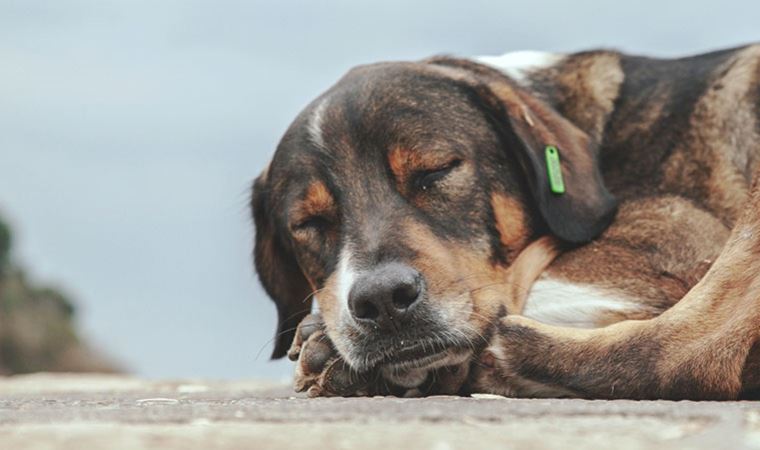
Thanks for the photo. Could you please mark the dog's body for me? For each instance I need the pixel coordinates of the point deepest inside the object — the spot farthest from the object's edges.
(676, 142)
(679, 144)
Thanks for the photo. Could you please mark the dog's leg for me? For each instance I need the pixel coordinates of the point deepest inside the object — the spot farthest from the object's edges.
(698, 349)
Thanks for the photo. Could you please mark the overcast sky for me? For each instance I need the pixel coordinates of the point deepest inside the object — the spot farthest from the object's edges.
(130, 131)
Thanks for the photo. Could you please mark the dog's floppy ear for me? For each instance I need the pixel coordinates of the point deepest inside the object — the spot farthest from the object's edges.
(586, 207)
(278, 270)
(529, 126)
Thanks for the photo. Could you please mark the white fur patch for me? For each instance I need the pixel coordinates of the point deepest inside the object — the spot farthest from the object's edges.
(346, 276)
(517, 65)
(575, 305)
(314, 126)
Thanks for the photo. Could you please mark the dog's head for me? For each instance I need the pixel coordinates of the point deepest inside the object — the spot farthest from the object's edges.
(401, 196)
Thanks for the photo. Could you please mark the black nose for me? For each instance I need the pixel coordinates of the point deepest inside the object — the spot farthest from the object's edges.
(386, 295)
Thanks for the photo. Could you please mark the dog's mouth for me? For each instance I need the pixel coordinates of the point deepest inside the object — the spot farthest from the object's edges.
(416, 354)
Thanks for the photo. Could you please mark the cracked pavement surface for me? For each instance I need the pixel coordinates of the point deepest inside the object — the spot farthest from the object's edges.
(64, 412)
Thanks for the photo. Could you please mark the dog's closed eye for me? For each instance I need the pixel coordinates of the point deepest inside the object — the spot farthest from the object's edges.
(316, 211)
(317, 223)
(428, 178)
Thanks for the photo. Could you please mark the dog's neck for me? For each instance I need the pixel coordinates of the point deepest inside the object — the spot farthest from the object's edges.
(532, 261)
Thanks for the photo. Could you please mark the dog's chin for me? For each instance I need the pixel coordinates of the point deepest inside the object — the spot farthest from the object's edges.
(413, 373)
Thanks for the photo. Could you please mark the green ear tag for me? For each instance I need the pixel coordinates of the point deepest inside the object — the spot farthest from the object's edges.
(554, 170)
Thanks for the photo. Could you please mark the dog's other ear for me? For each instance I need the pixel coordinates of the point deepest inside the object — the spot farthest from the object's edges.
(529, 125)
(586, 208)
(278, 270)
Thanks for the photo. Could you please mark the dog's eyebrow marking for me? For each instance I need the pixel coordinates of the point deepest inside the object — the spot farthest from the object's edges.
(314, 125)
(318, 199)
(518, 65)
(399, 159)
(345, 278)
(315, 201)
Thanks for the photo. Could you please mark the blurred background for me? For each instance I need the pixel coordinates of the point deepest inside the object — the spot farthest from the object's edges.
(130, 132)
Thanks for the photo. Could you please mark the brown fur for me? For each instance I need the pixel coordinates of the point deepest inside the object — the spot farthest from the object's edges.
(658, 249)
(697, 349)
(511, 220)
(318, 201)
(526, 268)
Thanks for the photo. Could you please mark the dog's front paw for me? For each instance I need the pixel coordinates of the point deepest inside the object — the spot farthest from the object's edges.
(320, 371)
(492, 372)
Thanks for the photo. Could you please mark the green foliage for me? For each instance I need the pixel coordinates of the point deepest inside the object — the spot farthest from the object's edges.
(5, 245)
(37, 328)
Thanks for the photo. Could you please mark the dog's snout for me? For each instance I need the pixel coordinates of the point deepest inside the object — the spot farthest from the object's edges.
(386, 295)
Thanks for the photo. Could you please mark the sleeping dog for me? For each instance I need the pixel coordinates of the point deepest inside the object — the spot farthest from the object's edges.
(521, 225)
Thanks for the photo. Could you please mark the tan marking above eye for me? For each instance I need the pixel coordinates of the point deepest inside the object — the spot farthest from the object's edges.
(401, 161)
(317, 202)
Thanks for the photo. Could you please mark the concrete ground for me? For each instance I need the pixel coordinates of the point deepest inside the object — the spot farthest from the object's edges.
(73, 412)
